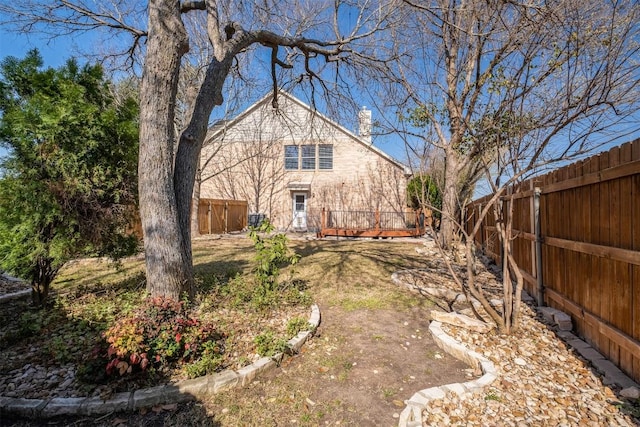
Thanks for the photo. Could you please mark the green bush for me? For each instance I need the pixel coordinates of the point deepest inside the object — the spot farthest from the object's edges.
(424, 192)
(30, 323)
(263, 289)
(272, 254)
(208, 363)
(267, 344)
(297, 324)
(69, 179)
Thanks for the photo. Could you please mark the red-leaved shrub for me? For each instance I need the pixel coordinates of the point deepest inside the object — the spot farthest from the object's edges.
(162, 333)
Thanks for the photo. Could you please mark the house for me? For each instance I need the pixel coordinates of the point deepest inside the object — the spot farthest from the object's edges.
(289, 163)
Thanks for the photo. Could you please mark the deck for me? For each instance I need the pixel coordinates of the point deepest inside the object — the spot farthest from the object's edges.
(373, 224)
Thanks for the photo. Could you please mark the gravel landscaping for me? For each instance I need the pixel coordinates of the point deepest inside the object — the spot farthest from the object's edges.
(540, 381)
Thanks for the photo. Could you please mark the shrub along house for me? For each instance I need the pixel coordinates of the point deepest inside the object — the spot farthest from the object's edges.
(289, 163)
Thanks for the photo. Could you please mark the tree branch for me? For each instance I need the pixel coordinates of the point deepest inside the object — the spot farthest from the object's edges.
(188, 6)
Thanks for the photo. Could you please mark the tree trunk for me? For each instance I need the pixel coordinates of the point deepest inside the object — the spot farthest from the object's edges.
(169, 269)
(507, 285)
(195, 205)
(450, 208)
(166, 182)
(190, 145)
(43, 275)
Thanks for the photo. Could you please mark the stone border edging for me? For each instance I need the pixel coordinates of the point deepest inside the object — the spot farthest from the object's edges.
(15, 295)
(411, 416)
(182, 391)
(611, 374)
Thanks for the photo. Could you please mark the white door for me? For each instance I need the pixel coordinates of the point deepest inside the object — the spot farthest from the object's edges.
(299, 211)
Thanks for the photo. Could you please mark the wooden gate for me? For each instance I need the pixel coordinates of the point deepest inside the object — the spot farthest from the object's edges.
(216, 216)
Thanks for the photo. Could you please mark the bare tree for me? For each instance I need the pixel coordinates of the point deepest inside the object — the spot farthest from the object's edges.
(313, 32)
(504, 90)
(474, 74)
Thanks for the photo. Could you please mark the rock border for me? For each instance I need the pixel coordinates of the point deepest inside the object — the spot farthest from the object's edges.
(411, 416)
(14, 295)
(611, 374)
(182, 391)
(448, 294)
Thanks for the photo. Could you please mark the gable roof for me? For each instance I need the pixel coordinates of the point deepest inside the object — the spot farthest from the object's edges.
(221, 126)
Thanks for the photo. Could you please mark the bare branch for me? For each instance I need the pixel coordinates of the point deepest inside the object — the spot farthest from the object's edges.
(188, 6)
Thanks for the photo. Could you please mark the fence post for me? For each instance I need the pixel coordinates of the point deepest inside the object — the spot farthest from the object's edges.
(481, 229)
(377, 226)
(226, 217)
(500, 221)
(209, 217)
(538, 231)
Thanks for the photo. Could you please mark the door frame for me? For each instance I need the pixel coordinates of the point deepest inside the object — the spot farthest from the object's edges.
(295, 212)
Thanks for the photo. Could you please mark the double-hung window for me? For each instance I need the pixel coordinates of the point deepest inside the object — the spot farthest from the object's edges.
(308, 157)
(291, 153)
(325, 156)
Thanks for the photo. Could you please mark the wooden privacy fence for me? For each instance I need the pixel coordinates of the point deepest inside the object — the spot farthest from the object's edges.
(577, 244)
(217, 216)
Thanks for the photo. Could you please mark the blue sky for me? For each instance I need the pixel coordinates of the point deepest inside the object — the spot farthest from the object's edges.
(57, 50)
(54, 51)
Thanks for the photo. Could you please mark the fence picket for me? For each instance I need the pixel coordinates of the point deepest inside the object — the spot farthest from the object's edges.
(217, 216)
(590, 226)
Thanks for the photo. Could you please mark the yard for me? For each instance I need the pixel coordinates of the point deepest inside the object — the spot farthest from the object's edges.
(371, 352)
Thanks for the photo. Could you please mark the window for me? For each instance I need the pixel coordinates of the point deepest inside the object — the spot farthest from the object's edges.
(325, 156)
(291, 157)
(308, 157)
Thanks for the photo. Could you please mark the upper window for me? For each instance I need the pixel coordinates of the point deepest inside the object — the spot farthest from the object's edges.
(325, 156)
(308, 157)
(291, 157)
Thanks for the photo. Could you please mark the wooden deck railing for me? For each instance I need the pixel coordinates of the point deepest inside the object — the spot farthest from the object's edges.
(371, 224)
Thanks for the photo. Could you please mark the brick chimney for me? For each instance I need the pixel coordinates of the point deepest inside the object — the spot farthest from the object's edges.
(364, 120)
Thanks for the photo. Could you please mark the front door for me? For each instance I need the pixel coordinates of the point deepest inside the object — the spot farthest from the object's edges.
(299, 211)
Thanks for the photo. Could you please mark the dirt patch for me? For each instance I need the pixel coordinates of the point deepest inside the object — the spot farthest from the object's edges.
(357, 371)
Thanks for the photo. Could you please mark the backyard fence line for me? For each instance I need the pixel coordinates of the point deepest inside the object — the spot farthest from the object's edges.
(217, 216)
(577, 244)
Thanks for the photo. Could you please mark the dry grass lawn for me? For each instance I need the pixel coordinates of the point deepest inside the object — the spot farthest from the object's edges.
(372, 350)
